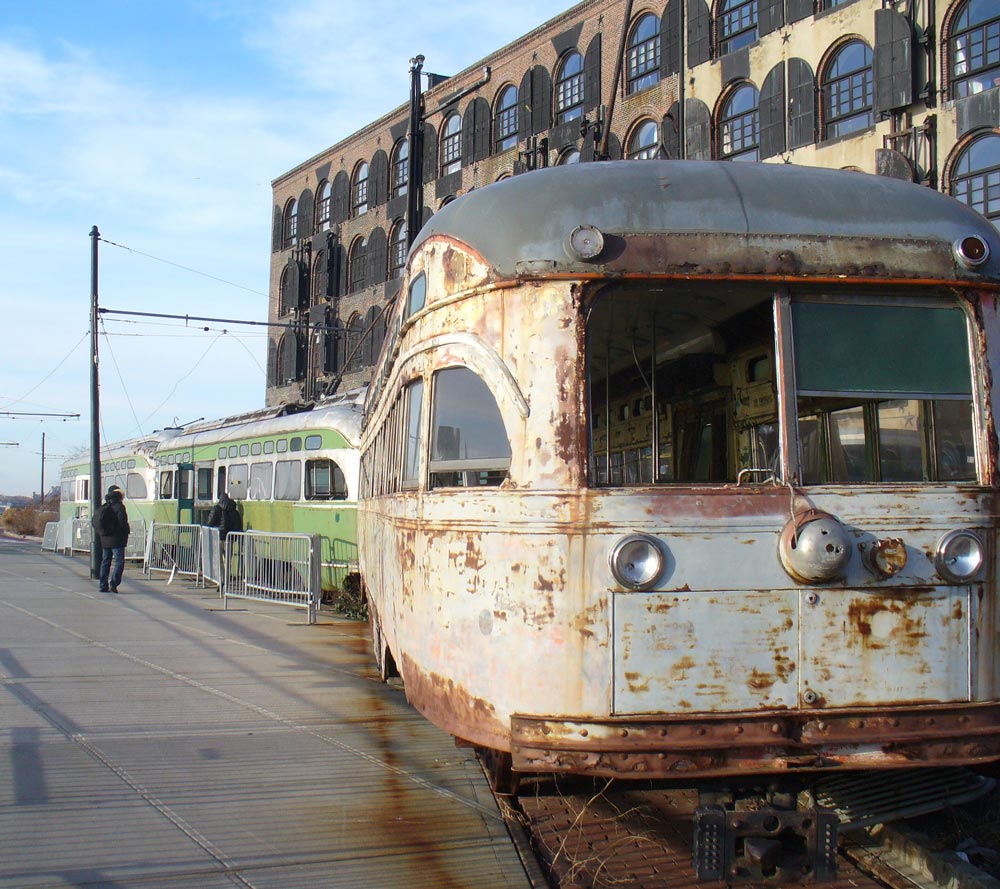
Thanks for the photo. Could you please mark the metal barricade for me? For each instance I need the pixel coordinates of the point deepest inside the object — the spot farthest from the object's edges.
(81, 536)
(64, 541)
(136, 546)
(50, 539)
(340, 560)
(173, 548)
(211, 556)
(281, 568)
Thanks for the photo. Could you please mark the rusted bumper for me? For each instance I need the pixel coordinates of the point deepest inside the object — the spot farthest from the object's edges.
(781, 741)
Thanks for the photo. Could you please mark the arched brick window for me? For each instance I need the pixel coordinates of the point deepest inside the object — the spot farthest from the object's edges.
(847, 94)
(642, 59)
(738, 125)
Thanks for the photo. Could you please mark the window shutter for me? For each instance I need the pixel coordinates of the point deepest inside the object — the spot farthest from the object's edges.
(668, 133)
(341, 269)
(430, 149)
(801, 104)
(770, 16)
(272, 363)
(276, 231)
(670, 39)
(378, 256)
(378, 179)
(893, 61)
(699, 32)
(524, 103)
(772, 112)
(481, 135)
(289, 358)
(340, 198)
(614, 148)
(469, 134)
(698, 130)
(541, 113)
(592, 75)
(307, 221)
(893, 164)
(796, 10)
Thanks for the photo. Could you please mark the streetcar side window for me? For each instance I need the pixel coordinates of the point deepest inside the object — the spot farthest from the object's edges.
(260, 481)
(204, 489)
(184, 484)
(287, 479)
(325, 481)
(167, 485)
(884, 393)
(135, 486)
(411, 446)
(469, 444)
(238, 481)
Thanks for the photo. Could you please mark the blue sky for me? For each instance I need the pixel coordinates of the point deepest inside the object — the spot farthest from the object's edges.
(163, 123)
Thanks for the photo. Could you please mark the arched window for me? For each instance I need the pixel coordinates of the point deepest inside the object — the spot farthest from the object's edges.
(739, 125)
(323, 194)
(400, 168)
(451, 145)
(290, 226)
(355, 327)
(397, 249)
(569, 88)
(358, 265)
(643, 57)
(568, 156)
(975, 176)
(847, 91)
(644, 142)
(469, 443)
(505, 120)
(736, 24)
(288, 295)
(359, 190)
(320, 277)
(974, 48)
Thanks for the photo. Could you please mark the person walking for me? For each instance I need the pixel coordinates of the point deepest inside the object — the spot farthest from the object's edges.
(226, 517)
(111, 524)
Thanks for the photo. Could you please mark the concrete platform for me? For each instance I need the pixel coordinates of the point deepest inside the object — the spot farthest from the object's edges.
(152, 739)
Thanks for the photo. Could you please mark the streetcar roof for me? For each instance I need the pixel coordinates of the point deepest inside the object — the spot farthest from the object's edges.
(827, 222)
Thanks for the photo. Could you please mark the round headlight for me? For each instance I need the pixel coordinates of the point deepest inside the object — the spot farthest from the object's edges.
(637, 561)
(959, 556)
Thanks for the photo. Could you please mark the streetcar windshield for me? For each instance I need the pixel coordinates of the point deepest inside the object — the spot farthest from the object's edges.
(683, 387)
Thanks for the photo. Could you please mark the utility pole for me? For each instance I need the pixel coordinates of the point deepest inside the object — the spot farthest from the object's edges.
(95, 408)
(41, 496)
(415, 160)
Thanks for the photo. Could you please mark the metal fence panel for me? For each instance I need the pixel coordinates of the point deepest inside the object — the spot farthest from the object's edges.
(281, 568)
(64, 542)
(174, 548)
(50, 539)
(81, 536)
(136, 546)
(211, 556)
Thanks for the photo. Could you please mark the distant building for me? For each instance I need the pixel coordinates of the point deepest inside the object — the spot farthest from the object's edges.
(908, 90)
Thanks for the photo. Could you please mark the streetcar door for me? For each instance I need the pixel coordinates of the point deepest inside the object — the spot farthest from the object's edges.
(185, 493)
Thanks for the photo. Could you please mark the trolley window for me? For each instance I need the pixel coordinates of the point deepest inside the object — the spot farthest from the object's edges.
(204, 490)
(287, 479)
(167, 485)
(314, 442)
(325, 481)
(185, 484)
(135, 486)
(469, 444)
(238, 481)
(255, 449)
(411, 450)
(884, 392)
(260, 481)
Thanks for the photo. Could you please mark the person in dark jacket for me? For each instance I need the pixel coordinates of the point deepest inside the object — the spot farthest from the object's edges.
(111, 524)
(225, 517)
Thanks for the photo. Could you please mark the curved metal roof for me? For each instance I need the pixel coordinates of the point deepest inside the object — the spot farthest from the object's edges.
(520, 225)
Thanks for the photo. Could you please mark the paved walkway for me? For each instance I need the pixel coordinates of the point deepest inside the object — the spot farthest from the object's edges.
(152, 739)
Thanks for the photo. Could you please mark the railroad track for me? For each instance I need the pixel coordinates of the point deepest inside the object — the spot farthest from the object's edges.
(599, 833)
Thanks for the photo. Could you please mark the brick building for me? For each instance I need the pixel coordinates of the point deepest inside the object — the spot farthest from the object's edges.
(906, 89)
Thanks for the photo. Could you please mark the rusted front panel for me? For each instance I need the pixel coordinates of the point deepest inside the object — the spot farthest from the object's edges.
(720, 650)
(861, 647)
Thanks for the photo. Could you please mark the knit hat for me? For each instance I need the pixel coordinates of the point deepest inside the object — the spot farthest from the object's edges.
(114, 489)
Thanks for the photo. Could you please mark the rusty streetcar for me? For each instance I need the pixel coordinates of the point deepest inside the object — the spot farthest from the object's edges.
(690, 469)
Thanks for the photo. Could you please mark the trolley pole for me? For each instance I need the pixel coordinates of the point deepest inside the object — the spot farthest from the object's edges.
(415, 160)
(95, 408)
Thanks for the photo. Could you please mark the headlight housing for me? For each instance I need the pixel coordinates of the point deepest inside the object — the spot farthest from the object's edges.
(959, 556)
(637, 561)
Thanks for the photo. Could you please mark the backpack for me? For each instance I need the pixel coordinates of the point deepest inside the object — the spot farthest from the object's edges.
(105, 521)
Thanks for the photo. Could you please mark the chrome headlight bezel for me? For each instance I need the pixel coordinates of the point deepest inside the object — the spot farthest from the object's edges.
(959, 556)
(637, 561)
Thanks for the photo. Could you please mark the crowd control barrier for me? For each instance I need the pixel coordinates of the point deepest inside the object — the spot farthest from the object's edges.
(280, 568)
